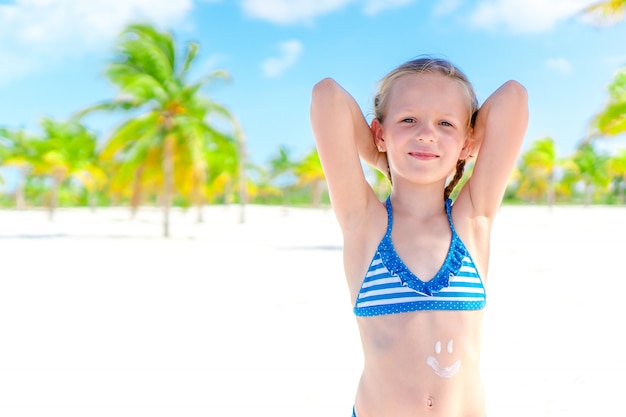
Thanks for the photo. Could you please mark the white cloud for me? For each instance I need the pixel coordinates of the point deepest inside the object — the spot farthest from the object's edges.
(524, 16)
(291, 11)
(560, 65)
(37, 34)
(287, 12)
(290, 52)
(446, 7)
(373, 7)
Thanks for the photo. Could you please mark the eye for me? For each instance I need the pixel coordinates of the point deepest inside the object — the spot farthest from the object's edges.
(445, 123)
(408, 120)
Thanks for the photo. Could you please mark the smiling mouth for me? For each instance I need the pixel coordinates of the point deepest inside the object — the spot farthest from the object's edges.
(423, 156)
(446, 372)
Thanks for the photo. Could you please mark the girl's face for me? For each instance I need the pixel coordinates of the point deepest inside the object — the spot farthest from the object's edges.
(425, 131)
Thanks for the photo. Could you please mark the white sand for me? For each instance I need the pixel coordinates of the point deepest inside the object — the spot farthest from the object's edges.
(99, 316)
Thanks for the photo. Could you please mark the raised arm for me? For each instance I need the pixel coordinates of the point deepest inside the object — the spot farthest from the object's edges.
(498, 132)
(341, 133)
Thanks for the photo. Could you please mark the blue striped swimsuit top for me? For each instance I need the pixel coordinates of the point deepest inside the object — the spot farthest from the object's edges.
(390, 287)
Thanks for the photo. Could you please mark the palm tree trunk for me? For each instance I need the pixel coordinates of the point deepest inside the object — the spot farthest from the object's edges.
(91, 198)
(588, 194)
(241, 168)
(135, 198)
(316, 193)
(198, 195)
(168, 182)
(199, 213)
(551, 193)
(54, 195)
(20, 200)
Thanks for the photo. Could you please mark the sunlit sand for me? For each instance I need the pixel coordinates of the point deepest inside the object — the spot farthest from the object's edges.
(100, 316)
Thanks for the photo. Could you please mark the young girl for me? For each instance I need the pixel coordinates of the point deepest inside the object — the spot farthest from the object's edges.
(416, 264)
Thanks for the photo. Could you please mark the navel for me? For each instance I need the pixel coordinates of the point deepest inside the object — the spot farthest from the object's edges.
(430, 401)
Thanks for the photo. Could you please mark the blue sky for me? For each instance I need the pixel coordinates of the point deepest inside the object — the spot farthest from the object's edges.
(53, 52)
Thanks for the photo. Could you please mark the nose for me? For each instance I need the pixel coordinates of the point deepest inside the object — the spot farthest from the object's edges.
(426, 133)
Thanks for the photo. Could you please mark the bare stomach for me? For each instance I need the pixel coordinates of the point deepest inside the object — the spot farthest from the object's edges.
(421, 364)
(380, 396)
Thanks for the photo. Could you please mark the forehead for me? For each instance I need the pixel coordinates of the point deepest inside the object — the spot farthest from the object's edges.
(428, 89)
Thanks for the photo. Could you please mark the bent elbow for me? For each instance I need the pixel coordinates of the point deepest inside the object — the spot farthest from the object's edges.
(516, 90)
(323, 89)
(326, 97)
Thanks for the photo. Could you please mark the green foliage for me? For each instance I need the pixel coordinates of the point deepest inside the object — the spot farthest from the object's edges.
(583, 177)
(178, 145)
(152, 77)
(606, 11)
(168, 148)
(535, 172)
(612, 120)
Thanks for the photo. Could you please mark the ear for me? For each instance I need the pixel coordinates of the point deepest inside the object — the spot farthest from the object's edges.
(468, 146)
(377, 132)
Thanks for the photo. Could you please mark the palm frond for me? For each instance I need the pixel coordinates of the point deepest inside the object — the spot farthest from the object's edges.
(190, 57)
(141, 49)
(612, 121)
(129, 134)
(606, 12)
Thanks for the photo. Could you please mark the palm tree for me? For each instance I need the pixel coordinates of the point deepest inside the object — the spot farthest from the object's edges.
(172, 131)
(17, 151)
(617, 171)
(611, 121)
(224, 168)
(241, 171)
(536, 170)
(214, 167)
(66, 150)
(592, 169)
(378, 181)
(282, 171)
(607, 10)
(309, 172)
(262, 188)
(568, 178)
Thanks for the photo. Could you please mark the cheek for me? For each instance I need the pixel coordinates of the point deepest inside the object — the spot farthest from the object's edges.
(462, 141)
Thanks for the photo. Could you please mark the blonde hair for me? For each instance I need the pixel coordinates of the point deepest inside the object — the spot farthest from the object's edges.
(428, 65)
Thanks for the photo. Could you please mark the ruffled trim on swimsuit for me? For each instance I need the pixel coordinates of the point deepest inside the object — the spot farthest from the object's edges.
(396, 267)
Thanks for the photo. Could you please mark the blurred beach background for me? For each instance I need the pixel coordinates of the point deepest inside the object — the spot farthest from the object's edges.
(166, 238)
(101, 316)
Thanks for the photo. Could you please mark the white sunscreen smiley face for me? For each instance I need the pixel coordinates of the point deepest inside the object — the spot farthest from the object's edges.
(448, 371)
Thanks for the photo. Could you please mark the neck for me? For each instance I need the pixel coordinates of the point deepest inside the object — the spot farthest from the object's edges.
(424, 201)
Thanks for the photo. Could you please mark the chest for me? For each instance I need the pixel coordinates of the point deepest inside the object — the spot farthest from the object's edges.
(422, 247)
